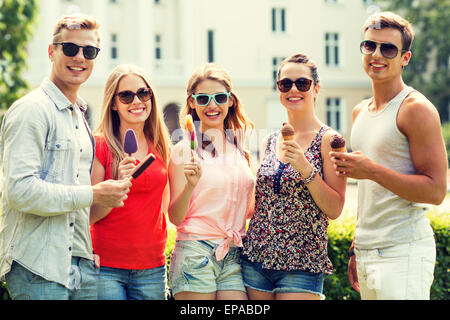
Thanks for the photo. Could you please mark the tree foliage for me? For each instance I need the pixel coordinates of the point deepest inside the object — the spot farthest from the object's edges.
(16, 29)
(428, 70)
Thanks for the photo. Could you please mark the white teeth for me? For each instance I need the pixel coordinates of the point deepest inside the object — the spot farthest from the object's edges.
(294, 99)
(377, 65)
(212, 114)
(76, 68)
(137, 110)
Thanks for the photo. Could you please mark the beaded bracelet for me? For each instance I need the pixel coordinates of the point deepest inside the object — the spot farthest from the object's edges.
(311, 176)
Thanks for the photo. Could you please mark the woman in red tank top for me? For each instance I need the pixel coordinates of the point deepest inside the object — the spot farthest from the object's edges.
(130, 240)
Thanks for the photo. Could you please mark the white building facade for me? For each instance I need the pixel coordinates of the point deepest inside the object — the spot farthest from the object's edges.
(171, 38)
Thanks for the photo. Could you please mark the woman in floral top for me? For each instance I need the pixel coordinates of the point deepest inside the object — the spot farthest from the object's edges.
(297, 192)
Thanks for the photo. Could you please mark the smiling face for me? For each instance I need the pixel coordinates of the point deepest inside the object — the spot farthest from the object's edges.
(295, 99)
(379, 68)
(212, 116)
(137, 111)
(71, 72)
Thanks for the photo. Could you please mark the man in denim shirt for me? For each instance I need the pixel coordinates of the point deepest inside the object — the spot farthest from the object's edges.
(47, 151)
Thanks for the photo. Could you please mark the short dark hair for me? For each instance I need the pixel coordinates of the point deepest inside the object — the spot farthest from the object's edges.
(387, 19)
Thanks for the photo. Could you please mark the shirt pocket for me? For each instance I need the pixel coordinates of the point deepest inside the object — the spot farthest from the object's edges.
(55, 160)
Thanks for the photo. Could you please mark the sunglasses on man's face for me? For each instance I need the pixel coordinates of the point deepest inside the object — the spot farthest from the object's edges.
(203, 99)
(127, 96)
(388, 50)
(71, 50)
(302, 84)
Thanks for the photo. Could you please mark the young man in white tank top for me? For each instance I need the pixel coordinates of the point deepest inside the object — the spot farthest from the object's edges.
(399, 159)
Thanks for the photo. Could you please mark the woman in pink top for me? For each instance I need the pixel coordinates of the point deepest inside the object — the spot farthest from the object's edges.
(211, 191)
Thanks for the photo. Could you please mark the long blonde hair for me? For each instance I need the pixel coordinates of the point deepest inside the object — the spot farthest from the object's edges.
(236, 120)
(109, 128)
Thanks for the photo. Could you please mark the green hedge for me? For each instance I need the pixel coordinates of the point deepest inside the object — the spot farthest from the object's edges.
(340, 233)
(446, 135)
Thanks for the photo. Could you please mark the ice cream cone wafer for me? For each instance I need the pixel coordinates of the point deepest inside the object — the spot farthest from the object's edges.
(287, 131)
(337, 143)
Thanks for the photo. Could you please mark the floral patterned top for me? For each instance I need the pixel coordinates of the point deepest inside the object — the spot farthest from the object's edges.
(288, 231)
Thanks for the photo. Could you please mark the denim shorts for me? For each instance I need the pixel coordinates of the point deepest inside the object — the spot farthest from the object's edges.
(22, 284)
(194, 268)
(277, 281)
(125, 284)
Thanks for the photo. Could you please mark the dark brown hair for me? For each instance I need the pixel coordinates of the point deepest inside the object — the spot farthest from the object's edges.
(301, 58)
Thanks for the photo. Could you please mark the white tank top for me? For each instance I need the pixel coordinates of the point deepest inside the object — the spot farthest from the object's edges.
(385, 219)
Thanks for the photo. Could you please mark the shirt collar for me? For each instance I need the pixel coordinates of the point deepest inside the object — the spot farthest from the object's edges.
(59, 98)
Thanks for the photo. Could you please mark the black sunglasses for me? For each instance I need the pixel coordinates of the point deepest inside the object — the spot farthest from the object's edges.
(127, 96)
(388, 50)
(71, 50)
(302, 84)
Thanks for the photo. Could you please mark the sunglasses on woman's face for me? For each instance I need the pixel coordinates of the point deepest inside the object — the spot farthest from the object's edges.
(302, 84)
(203, 99)
(127, 96)
(71, 50)
(388, 50)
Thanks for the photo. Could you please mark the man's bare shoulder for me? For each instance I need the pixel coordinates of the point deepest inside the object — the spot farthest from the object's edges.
(416, 106)
(417, 113)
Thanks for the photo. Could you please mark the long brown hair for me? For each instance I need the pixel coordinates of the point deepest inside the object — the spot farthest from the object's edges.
(109, 128)
(236, 122)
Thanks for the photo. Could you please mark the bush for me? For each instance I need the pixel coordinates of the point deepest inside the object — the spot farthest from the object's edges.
(340, 235)
(3, 292)
(446, 135)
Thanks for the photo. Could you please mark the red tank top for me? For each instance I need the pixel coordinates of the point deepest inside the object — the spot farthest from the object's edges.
(134, 236)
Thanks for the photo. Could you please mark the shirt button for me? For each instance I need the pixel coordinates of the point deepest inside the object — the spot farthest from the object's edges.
(81, 150)
(71, 224)
(70, 248)
(76, 126)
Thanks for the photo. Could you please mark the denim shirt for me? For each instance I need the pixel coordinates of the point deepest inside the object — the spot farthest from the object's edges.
(40, 155)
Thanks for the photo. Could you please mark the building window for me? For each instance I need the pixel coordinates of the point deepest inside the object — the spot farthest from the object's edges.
(332, 49)
(158, 47)
(278, 20)
(275, 65)
(210, 46)
(114, 50)
(334, 113)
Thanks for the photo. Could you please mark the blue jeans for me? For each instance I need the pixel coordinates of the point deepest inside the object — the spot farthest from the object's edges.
(126, 284)
(24, 285)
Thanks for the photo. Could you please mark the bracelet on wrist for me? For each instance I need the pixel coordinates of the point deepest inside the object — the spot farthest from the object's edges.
(311, 176)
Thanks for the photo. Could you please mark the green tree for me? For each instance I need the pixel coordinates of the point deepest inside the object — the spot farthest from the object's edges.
(429, 68)
(16, 28)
